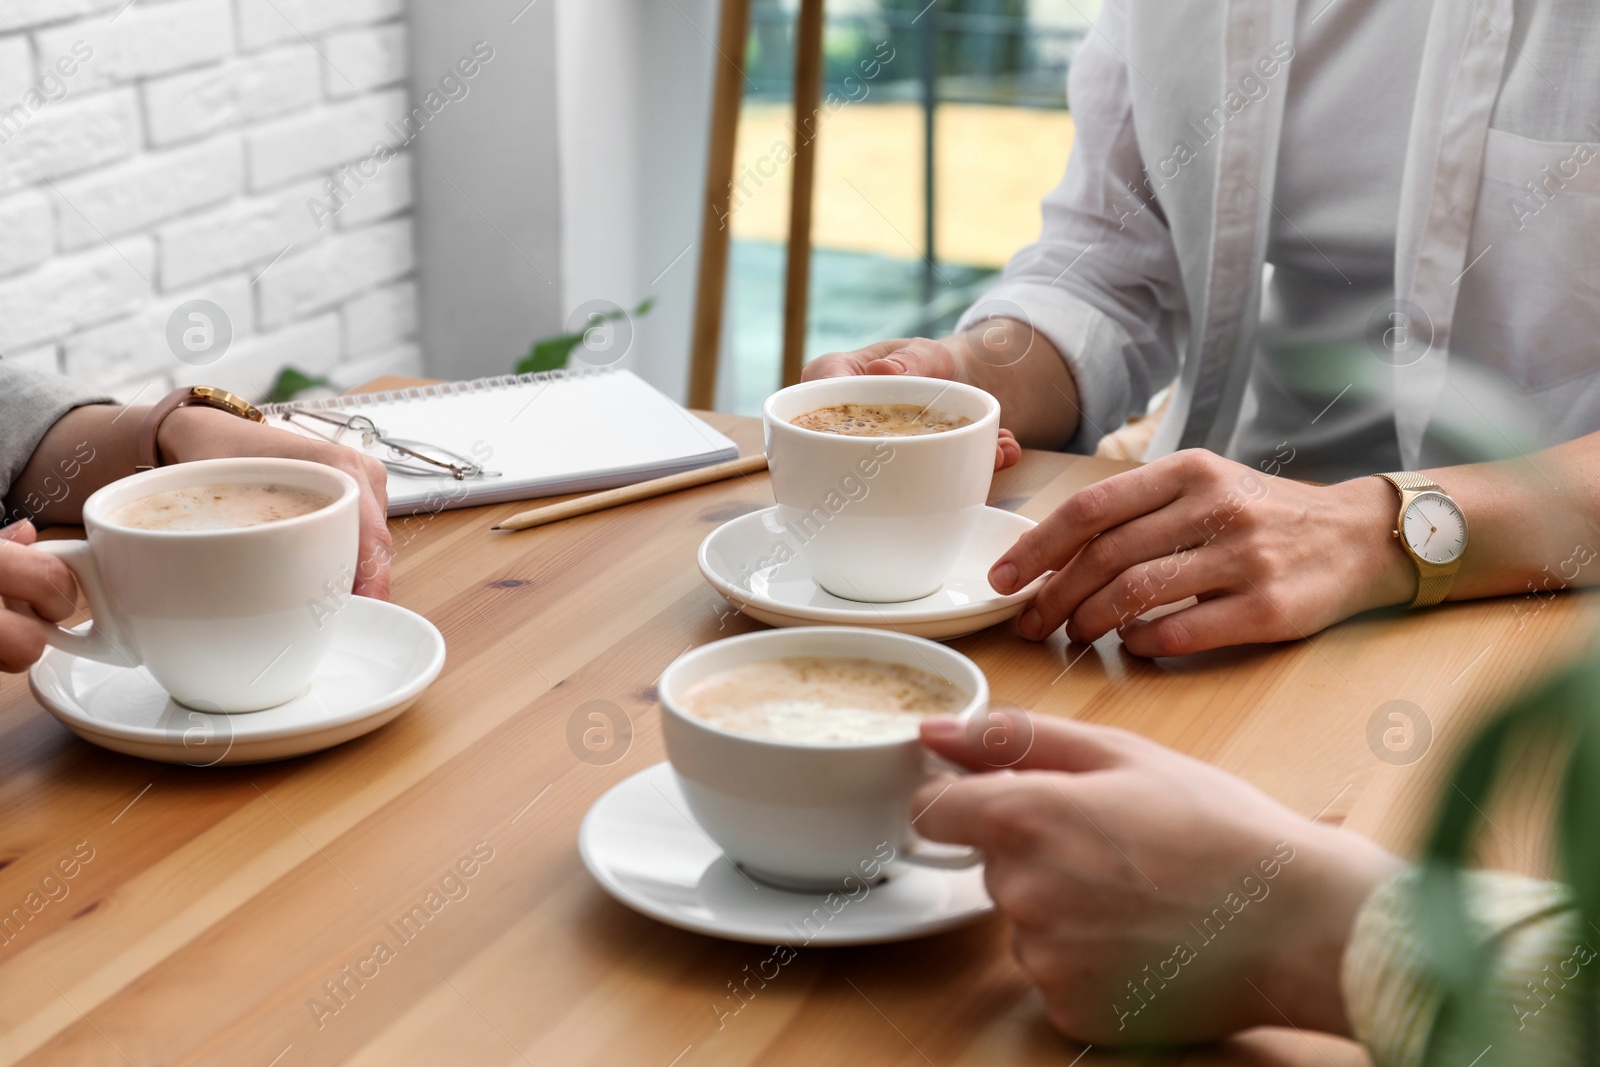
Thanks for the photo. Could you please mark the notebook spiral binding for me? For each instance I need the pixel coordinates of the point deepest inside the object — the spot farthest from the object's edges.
(425, 392)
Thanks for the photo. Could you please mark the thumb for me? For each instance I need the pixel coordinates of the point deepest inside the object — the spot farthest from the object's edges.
(832, 365)
(21, 533)
(1004, 737)
(919, 356)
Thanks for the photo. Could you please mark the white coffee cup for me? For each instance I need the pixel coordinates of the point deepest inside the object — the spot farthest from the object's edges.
(809, 816)
(881, 519)
(226, 620)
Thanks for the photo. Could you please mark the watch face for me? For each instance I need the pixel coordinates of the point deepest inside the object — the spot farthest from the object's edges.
(1435, 528)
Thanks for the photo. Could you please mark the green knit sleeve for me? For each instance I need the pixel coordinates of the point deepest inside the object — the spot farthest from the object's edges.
(1393, 1003)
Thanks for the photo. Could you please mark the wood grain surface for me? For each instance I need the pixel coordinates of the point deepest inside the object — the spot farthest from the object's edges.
(222, 913)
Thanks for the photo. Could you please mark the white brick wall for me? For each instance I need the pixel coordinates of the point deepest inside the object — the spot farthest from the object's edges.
(43, 359)
(381, 319)
(250, 366)
(231, 94)
(406, 359)
(245, 231)
(147, 189)
(135, 348)
(28, 226)
(318, 141)
(20, 14)
(145, 40)
(72, 292)
(334, 270)
(263, 22)
(364, 59)
(69, 136)
(159, 153)
(16, 68)
(387, 194)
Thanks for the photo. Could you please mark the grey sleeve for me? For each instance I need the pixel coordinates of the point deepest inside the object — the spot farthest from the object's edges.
(30, 403)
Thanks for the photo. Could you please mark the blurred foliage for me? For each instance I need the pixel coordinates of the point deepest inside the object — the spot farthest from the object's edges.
(1567, 707)
(292, 382)
(553, 353)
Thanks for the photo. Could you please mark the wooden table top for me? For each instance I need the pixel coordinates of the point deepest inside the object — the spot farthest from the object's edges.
(211, 909)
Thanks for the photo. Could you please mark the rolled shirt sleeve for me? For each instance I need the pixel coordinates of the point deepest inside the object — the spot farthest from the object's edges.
(1102, 283)
(1534, 1001)
(30, 403)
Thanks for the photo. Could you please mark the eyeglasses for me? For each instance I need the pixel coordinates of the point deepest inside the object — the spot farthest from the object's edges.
(415, 458)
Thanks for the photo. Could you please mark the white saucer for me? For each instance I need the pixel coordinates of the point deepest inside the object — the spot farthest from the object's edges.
(382, 658)
(644, 848)
(784, 594)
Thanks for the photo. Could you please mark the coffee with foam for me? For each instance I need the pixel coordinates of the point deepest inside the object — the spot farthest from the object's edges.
(880, 420)
(219, 507)
(821, 700)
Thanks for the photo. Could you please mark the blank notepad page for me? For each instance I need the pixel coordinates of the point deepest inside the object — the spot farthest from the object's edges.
(559, 432)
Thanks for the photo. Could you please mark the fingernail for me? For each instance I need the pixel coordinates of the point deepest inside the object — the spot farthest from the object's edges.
(941, 728)
(899, 365)
(1031, 625)
(1003, 577)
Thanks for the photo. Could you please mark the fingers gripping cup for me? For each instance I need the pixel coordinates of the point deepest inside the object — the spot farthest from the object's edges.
(884, 480)
(798, 753)
(222, 578)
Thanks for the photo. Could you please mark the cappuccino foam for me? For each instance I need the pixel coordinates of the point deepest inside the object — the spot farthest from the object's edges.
(819, 700)
(219, 507)
(880, 420)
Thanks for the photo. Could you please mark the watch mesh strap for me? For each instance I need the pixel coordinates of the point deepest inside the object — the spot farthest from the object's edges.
(1430, 591)
(1409, 480)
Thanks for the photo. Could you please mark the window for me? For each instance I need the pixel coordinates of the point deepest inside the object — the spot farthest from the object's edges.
(966, 95)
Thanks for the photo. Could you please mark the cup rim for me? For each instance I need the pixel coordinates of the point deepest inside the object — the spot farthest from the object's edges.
(991, 413)
(95, 502)
(977, 693)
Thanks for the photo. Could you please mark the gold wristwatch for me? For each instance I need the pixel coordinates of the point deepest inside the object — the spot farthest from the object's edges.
(1433, 529)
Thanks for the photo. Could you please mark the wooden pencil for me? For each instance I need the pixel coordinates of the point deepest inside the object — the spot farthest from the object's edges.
(627, 494)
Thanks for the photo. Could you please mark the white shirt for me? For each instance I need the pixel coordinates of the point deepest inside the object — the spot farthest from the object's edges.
(1398, 131)
(1314, 387)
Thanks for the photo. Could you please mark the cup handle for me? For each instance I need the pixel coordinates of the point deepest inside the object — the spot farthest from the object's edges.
(104, 641)
(925, 853)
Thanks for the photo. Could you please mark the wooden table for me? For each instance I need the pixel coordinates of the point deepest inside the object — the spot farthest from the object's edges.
(221, 906)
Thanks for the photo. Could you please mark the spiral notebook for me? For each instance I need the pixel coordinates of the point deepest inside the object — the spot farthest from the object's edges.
(541, 434)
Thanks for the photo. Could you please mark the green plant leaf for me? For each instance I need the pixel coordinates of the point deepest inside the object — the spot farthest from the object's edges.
(554, 353)
(291, 382)
(1579, 817)
(550, 354)
(1571, 701)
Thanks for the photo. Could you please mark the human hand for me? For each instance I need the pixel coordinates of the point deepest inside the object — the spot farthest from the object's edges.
(30, 581)
(1149, 891)
(918, 356)
(1270, 559)
(193, 433)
